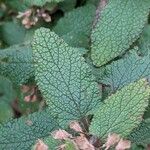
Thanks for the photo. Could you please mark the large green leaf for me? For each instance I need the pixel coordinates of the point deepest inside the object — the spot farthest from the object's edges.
(22, 133)
(122, 111)
(141, 135)
(76, 25)
(120, 24)
(63, 77)
(16, 63)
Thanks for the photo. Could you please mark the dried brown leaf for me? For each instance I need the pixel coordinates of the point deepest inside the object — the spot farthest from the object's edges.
(61, 135)
(123, 145)
(40, 145)
(111, 140)
(75, 126)
(83, 143)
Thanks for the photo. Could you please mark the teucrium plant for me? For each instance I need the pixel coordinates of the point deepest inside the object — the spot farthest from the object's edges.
(70, 83)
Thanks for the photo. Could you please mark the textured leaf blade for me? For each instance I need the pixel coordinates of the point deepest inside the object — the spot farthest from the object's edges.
(144, 41)
(124, 71)
(7, 93)
(16, 63)
(75, 26)
(23, 133)
(63, 77)
(141, 135)
(119, 26)
(122, 111)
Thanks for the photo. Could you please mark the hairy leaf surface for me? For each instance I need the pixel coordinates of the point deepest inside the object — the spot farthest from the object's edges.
(76, 25)
(144, 41)
(122, 111)
(126, 70)
(22, 133)
(16, 63)
(119, 26)
(141, 135)
(63, 77)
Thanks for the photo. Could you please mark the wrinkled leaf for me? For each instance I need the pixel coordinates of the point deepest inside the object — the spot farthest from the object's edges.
(141, 135)
(22, 133)
(63, 77)
(120, 24)
(76, 25)
(16, 63)
(122, 111)
(124, 71)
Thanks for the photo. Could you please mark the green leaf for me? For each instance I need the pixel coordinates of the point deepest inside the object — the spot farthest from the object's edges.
(6, 112)
(141, 135)
(120, 24)
(52, 143)
(95, 2)
(26, 4)
(63, 77)
(22, 133)
(7, 93)
(70, 145)
(122, 111)
(136, 147)
(76, 25)
(13, 33)
(16, 63)
(67, 5)
(124, 71)
(16, 4)
(39, 2)
(144, 41)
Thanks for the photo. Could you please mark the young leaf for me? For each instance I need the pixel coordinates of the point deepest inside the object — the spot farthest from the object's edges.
(141, 135)
(119, 26)
(122, 111)
(75, 26)
(63, 77)
(23, 133)
(16, 63)
(126, 70)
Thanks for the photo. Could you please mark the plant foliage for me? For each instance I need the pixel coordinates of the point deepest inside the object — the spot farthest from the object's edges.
(83, 60)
